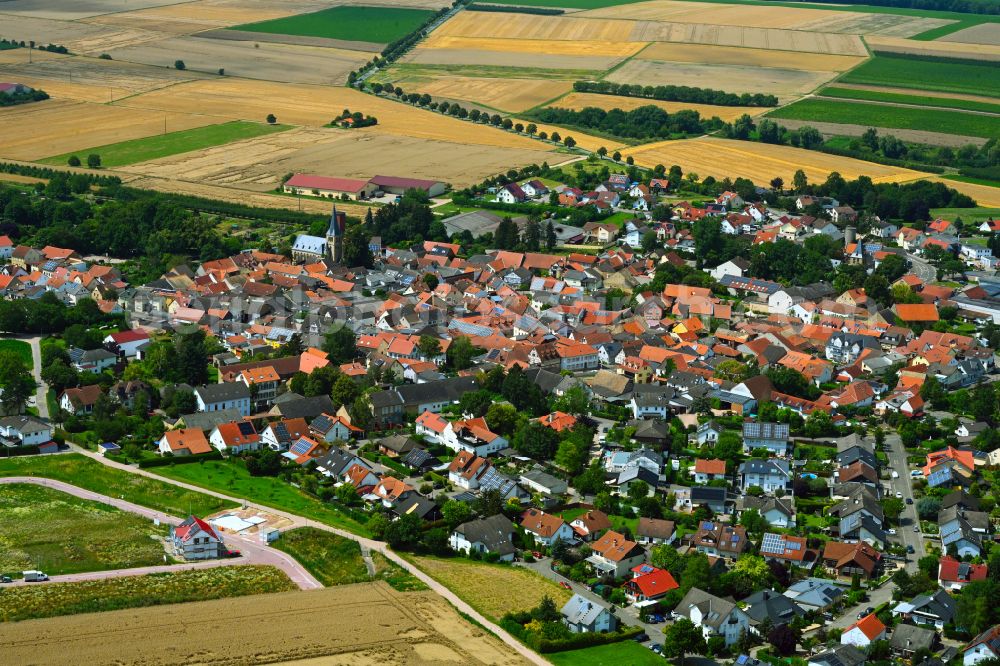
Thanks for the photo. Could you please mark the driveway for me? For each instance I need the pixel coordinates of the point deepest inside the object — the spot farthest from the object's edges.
(252, 551)
(371, 544)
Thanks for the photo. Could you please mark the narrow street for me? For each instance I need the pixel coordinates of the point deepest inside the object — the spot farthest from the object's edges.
(41, 402)
(904, 485)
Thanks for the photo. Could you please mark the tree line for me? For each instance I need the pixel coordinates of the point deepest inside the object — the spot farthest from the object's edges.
(511, 9)
(960, 6)
(12, 99)
(644, 122)
(677, 94)
(397, 48)
(47, 173)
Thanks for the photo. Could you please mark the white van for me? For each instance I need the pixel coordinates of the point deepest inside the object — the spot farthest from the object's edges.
(34, 576)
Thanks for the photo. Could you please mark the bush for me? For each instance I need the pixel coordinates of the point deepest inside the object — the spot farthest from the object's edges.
(94, 161)
(73, 161)
(179, 64)
(179, 460)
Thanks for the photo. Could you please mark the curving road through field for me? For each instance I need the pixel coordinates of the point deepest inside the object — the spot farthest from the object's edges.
(252, 551)
(299, 521)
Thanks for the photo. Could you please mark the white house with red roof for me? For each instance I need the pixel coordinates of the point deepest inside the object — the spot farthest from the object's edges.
(235, 437)
(648, 584)
(864, 632)
(6, 247)
(954, 574)
(126, 343)
(194, 539)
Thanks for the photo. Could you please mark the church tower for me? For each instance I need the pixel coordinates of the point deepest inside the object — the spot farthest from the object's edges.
(335, 236)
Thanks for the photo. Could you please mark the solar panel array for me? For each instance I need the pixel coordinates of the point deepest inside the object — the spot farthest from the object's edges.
(301, 447)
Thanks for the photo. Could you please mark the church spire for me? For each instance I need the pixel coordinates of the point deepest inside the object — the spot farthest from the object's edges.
(335, 236)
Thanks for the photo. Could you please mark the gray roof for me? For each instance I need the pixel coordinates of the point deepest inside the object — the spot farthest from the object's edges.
(814, 592)
(212, 393)
(768, 604)
(306, 408)
(758, 430)
(583, 611)
(208, 420)
(494, 532)
(910, 637)
(769, 466)
(841, 655)
(714, 610)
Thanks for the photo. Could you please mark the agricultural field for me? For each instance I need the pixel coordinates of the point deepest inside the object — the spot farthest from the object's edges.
(939, 48)
(92, 475)
(722, 158)
(577, 101)
(39, 130)
(67, 10)
(19, 347)
(938, 100)
(937, 74)
(381, 25)
(361, 624)
(503, 94)
(734, 55)
(984, 33)
(54, 599)
(332, 559)
(41, 528)
(492, 589)
(890, 116)
(985, 195)
(172, 143)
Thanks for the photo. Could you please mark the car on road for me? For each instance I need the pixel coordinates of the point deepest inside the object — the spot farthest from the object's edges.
(892, 530)
(563, 583)
(6, 579)
(656, 618)
(895, 474)
(909, 549)
(899, 495)
(909, 500)
(656, 647)
(916, 528)
(232, 553)
(641, 637)
(866, 612)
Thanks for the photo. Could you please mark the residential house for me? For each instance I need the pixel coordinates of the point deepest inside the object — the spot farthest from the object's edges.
(771, 475)
(864, 632)
(708, 433)
(582, 615)
(538, 480)
(770, 608)
(774, 437)
(126, 344)
(334, 428)
(815, 594)
(714, 616)
(473, 436)
(709, 470)
(216, 397)
(235, 437)
(184, 442)
(614, 555)
(655, 531)
(25, 430)
(720, 540)
(590, 524)
(81, 400)
(847, 559)
(546, 528)
(648, 584)
(984, 646)
(954, 574)
(776, 511)
(840, 655)
(195, 539)
(280, 435)
(908, 639)
(262, 384)
(934, 610)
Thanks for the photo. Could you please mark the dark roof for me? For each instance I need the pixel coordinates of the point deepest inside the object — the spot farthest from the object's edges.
(212, 393)
(306, 408)
(494, 532)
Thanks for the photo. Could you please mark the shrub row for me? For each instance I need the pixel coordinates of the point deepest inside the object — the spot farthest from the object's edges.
(511, 9)
(22, 450)
(881, 159)
(676, 94)
(45, 172)
(168, 461)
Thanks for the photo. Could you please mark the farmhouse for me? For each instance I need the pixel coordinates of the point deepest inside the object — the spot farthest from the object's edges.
(322, 186)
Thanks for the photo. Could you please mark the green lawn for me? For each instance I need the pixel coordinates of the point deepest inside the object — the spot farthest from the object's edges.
(893, 117)
(918, 100)
(86, 473)
(52, 599)
(332, 559)
(232, 478)
(381, 25)
(42, 528)
(619, 218)
(623, 653)
(19, 347)
(976, 215)
(938, 74)
(171, 143)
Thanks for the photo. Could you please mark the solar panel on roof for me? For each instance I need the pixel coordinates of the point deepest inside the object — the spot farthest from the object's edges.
(246, 428)
(300, 447)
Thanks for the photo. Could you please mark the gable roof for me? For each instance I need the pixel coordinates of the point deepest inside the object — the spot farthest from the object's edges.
(869, 625)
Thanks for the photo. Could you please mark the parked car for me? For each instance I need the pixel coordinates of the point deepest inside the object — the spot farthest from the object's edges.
(916, 528)
(909, 500)
(899, 495)
(536, 554)
(232, 553)
(563, 583)
(892, 530)
(909, 549)
(641, 637)
(656, 647)
(656, 618)
(916, 473)
(6, 579)
(866, 612)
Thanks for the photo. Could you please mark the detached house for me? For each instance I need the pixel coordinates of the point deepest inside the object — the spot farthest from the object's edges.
(774, 437)
(864, 632)
(648, 583)
(235, 437)
(614, 555)
(770, 475)
(485, 535)
(546, 528)
(583, 615)
(954, 574)
(720, 540)
(714, 616)
(194, 539)
(80, 401)
(184, 442)
(216, 397)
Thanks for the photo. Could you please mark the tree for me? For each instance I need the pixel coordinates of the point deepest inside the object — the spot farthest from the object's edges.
(617, 157)
(777, 184)
(574, 400)
(271, 119)
(799, 181)
(347, 494)
(404, 532)
(569, 142)
(502, 418)
(429, 346)
(357, 251)
(179, 64)
(17, 382)
(682, 638)
(73, 161)
(532, 235)
(94, 161)
(783, 638)
(460, 353)
(489, 503)
(191, 356)
(266, 462)
(536, 441)
(550, 235)
(340, 345)
(570, 457)
(455, 513)
(892, 507)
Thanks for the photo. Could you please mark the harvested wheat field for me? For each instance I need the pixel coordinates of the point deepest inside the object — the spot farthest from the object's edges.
(542, 46)
(984, 33)
(984, 195)
(760, 162)
(190, 17)
(502, 25)
(787, 84)
(758, 38)
(312, 105)
(69, 10)
(574, 66)
(53, 127)
(941, 48)
(504, 94)
(361, 624)
(577, 101)
(45, 30)
(732, 55)
(259, 163)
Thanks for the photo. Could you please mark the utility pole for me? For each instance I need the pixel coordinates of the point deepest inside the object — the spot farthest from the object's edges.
(31, 46)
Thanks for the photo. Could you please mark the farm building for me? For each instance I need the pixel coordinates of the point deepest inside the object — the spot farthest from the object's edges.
(352, 188)
(395, 185)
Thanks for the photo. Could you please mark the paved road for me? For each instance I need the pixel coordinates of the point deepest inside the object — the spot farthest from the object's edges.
(904, 485)
(850, 615)
(371, 544)
(36, 370)
(922, 269)
(253, 552)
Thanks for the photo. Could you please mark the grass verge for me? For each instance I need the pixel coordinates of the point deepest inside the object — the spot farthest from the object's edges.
(52, 599)
(89, 474)
(171, 143)
(399, 578)
(42, 528)
(231, 477)
(625, 653)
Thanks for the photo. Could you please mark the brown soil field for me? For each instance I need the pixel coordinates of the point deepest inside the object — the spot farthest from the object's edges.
(936, 48)
(787, 84)
(984, 33)
(544, 46)
(504, 94)
(53, 127)
(578, 101)
(760, 38)
(983, 194)
(273, 62)
(917, 136)
(595, 65)
(875, 24)
(15, 178)
(45, 30)
(731, 55)
(259, 163)
(316, 106)
(361, 624)
(69, 10)
(722, 158)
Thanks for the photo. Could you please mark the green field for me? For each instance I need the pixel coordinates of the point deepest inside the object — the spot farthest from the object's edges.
(380, 25)
(232, 478)
(894, 117)
(623, 653)
(52, 599)
(171, 143)
(916, 100)
(938, 74)
(42, 528)
(89, 474)
(334, 560)
(19, 347)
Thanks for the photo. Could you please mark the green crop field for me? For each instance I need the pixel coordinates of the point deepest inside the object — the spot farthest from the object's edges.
(231, 477)
(380, 25)
(53, 599)
(893, 117)
(19, 347)
(916, 100)
(938, 74)
(42, 528)
(626, 653)
(89, 474)
(171, 143)
(972, 215)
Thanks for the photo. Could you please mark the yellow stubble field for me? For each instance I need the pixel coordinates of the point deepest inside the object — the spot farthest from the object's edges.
(760, 162)
(512, 94)
(750, 57)
(542, 46)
